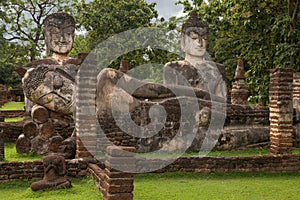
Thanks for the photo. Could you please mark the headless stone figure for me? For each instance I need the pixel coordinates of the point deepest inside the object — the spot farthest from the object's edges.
(54, 171)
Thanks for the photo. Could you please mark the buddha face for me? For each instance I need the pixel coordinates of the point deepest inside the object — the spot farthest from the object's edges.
(59, 36)
(195, 43)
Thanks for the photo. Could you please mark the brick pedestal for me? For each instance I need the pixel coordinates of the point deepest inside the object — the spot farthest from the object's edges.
(281, 111)
(117, 183)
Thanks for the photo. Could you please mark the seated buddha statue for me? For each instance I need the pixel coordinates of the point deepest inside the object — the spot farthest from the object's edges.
(49, 82)
(194, 70)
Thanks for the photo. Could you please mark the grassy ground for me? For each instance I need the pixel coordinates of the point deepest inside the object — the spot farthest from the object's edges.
(13, 106)
(196, 186)
(11, 154)
(175, 186)
(82, 189)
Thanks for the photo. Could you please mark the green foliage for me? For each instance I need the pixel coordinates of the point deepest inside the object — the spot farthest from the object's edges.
(11, 55)
(259, 32)
(103, 19)
(106, 19)
(24, 18)
(21, 36)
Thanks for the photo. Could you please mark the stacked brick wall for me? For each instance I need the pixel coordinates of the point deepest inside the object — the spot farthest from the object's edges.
(281, 111)
(267, 163)
(35, 170)
(78, 167)
(10, 131)
(11, 113)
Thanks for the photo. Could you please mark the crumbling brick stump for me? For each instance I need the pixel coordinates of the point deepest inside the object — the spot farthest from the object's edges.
(118, 181)
(281, 111)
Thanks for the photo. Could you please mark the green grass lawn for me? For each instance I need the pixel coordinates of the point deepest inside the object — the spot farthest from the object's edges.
(11, 154)
(231, 186)
(13, 106)
(81, 189)
(175, 186)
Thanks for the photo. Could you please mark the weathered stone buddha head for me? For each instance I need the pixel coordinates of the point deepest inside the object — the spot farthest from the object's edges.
(59, 31)
(194, 36)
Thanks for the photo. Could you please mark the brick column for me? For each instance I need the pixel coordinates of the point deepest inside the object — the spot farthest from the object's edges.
(296, 106)
(118, 184)
(281, 110)
(85, 120)
(1, 149)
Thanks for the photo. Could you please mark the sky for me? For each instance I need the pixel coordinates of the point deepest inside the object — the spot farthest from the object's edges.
(167, 8)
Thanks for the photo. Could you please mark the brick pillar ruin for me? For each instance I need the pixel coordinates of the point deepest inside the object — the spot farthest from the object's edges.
(85, 117)
(1, 149)
(296, 106)
(239, 92)
(118, 184)
(281, 111)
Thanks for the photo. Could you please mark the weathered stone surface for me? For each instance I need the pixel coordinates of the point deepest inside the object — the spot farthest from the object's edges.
(30, 129)
(47, 130)
(39, 145)
(54, 143)
(68, 147)
(39, 114)
(23, 144)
